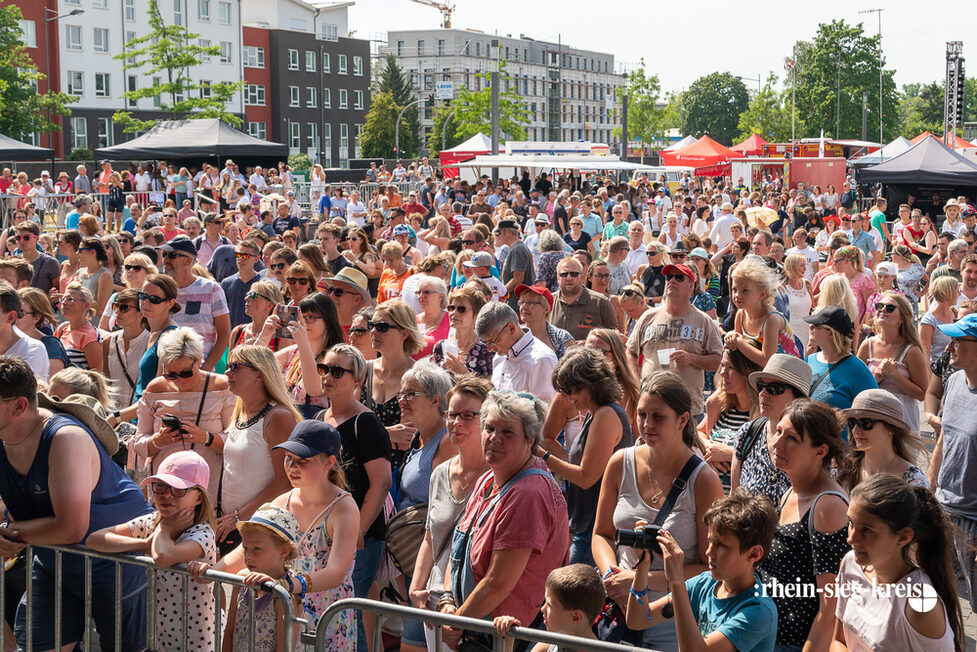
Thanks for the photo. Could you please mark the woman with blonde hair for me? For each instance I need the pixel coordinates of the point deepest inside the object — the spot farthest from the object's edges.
(395, 272)
(310, 254)
(910, 274)
(943, 294)
(799, 294)
(259, 304)
(849, 261)
(633, 304)
(73, 380)
(263, 417)
(114, 263)
(835, 291)
(114, 204)
(317, 184)
(300, 282)
(433, 320)
(37, 314)
(82, 342)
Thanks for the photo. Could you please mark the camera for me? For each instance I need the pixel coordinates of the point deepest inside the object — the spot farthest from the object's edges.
(642, 538)
(173, 422)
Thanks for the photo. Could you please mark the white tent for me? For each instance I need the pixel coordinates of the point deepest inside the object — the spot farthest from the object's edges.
(685, 142)
(893, 149)
(477, 143)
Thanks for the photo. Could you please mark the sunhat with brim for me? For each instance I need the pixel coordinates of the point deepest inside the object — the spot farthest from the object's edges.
(182, 470)
(877, 404)
(87, 410)
(352, 278)
(277, 520)
(787, 369)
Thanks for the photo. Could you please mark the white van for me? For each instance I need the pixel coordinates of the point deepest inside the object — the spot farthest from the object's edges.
(673, 175)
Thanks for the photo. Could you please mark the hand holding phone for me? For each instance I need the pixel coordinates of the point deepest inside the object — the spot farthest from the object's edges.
(286, 314)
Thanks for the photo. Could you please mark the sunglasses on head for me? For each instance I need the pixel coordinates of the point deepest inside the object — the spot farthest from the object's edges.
(142, 296)
(233, 367)
(291, 280)
(888, 307)
(173, 375)
(570, 274)
(133, 268)
(774, 389)
(336, 372)
(123, 308)
(381, 326)
(160, 488)
(863, 423)
(461, 310)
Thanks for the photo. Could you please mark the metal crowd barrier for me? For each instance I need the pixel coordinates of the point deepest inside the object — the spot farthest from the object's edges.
(218, 578)
(563, 641)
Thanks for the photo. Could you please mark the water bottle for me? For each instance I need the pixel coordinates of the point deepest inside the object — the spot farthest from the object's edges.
(450, 345)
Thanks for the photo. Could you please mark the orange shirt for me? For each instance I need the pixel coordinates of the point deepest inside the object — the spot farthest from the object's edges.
(391, 284)
(103, 180)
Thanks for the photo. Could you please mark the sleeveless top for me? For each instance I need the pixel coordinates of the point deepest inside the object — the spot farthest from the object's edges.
(123, 365)
(248, 467)
(115, 499)
(910, 406)
(90, 282)
(725, 430)
(415, 475)
(785, 337)
(582, 503)
(265, 622)
(800, 307)
(939, 341)
(307, 405)
(149, 365)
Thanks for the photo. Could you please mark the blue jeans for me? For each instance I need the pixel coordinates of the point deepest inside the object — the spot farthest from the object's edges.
(364, 572)
(580, 549)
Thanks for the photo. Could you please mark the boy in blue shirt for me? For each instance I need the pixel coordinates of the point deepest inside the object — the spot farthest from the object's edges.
(725, 608)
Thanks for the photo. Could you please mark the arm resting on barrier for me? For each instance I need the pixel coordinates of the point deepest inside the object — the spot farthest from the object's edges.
(118, 538)
(506, 568)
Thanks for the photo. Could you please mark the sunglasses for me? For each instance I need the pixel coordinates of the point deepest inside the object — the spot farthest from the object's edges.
(653, 253)
(252, 295)
(570, 274)
(677, 256)
(173, 375)
(675, 277)
(25, 238)
(243, 256)
(356, 332)
(460, 309)
(863, 423)
(774, 389)
(123, 308)
(171, 255)
(381, 326)
(160, 488)
(301, 281)
(336, 372)
(467, 242)
(133, 268)
(233, 367)
(142, 296)
(277, 266)
(337, 292)
(888, 307)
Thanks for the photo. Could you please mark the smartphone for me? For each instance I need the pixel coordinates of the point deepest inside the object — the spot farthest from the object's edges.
(173, 422)
(287, 314)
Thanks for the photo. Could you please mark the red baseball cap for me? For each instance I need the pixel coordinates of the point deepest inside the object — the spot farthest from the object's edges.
(538, 289)
(681, 269)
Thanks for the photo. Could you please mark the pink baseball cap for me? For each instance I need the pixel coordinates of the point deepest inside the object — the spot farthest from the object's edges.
(182, 470)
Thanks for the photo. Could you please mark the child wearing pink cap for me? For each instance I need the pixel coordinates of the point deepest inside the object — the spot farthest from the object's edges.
(179, 531)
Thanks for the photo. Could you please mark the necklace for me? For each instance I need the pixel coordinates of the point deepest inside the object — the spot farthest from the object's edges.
(36, 429)
(256, 418)
(655, 498)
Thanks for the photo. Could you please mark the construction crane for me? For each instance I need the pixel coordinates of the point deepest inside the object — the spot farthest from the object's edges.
(445, 9)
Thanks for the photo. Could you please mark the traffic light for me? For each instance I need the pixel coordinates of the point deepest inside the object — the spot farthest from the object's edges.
(430, 101)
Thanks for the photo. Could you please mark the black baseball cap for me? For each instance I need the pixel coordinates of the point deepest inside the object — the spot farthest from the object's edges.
(507, 224)
(182, 244)
(835, 318)
(310, 438)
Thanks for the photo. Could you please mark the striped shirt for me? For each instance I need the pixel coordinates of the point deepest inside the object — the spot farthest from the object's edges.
(200, 302)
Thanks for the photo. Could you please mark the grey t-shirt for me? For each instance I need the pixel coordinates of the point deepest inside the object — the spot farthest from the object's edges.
(518, 258)
(957, 484)
(443, 513)
(46, 272)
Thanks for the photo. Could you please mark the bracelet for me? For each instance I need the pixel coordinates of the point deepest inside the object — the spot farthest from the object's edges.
(210, 439)
(117, 414)
(638, 594)
(546, 455)
(305, 586)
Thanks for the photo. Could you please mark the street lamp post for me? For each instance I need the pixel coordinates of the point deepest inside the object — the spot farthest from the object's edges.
(397, 126)
(837, 59)
(756, 79)
(47, 51)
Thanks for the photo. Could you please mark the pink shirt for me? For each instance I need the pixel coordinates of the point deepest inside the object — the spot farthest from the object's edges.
(431, 337)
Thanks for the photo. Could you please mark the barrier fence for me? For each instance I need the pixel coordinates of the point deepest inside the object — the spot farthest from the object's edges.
(563, 641)
(220, 580)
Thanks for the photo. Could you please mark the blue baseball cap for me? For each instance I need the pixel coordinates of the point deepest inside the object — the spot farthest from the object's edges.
(311, 437)
(965, 327)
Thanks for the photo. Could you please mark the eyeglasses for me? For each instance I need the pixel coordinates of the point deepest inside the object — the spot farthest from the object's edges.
(160, 488)
(495, 339)
(310, 317)
(240, 255)
(291, 280)
(173, 375)
(171, 255)
(888, 307)
(605, 275)
(233, 367)
(428, 292)
(461, 310)
(863, 423)
(675, 277)
(774, 389)
(336, 372)
(464, 416)
(69, 299)
(356, 332)
(133, 268)
(123, 308)
(142, 296)
(570, 274)
(407, 396)
(381, 326)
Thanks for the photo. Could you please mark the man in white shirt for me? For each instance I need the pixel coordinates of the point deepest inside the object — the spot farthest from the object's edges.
(800, 247)
(522, 363)
(398, 172)
(143, 181)
(663, 204)
(13, 343)
(720, 234)
(258, 178)
(637, 254)
(425, 170)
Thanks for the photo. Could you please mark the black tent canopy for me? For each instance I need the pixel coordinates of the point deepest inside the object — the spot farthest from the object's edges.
(929, 162)
(205, 138)
(14, 150)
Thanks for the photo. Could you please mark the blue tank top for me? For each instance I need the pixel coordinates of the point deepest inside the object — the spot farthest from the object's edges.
(415, 475)
(148, 365)
(116, 498)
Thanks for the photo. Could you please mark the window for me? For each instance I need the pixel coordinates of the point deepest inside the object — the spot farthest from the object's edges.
(254, 95)
(310, 97)
(358, 66)
(294, 135)
(130, 10)
(72, 37)
(79, 133)
(326, 98)
(132, 84)
(258, 130)
(342, 64)
(226, 51)
(100, 4)
(76, 83)
(326, 155)
(101, 40)
(312, 135)
(253, 57)
(28, 33)
(102, 84)
(72, 2)
(293, 96)
(310, 61)
(156, 99)
(178, 12)
(205, 91)
(343, 99)
(326, 67)
(400, 48)
(440, 47)
(343, 142)
(420, 47)
(330, 32)
(358, 100)
(104, 132)
(293, 59)
(204, 43)
(224, 13)
(356, 139)
(203, 10)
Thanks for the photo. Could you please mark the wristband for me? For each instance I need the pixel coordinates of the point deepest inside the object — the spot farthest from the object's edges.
(638, 594)
(546, 455)
(305, 586)
(610, 571)
(210, 439)
(117, 414)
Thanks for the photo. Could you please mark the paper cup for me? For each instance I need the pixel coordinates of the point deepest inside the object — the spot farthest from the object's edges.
(664, 357)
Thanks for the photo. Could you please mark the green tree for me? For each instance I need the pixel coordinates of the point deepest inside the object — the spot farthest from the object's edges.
(970, 100)
(921, 109)
(393, 80)
(674, 111)
(173, 51)
(442, 114)
(22, 109)
(840, 48)
(474, 109)
(378, 138)
(646, 122)
(713, 105)
(768, 114)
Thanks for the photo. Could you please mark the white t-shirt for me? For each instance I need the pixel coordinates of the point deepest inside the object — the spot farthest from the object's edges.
(32, 352)
(143, 182)
(720, 234)
(812, 257)
(258, 180)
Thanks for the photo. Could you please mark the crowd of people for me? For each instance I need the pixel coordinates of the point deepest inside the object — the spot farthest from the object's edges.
(626, 410)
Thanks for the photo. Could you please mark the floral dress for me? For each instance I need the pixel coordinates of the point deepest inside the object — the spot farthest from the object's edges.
(478, 359)
(314, 548)
(265, 622)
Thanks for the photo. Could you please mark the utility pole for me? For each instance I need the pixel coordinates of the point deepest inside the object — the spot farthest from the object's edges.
(864, 115)
(397, 126)
(495, 110)
(879, 12)
(624, 124)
